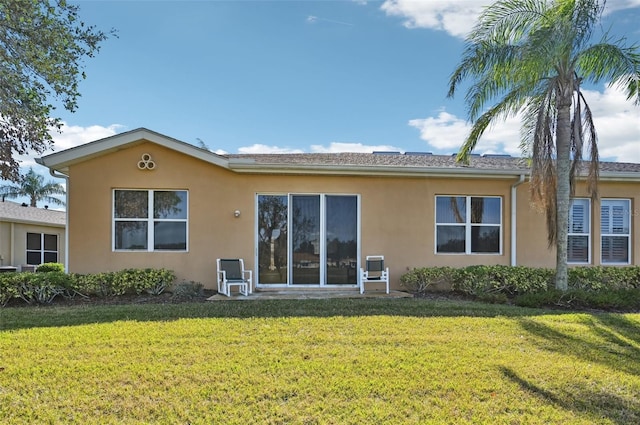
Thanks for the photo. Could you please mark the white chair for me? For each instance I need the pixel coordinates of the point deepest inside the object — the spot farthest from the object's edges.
(231, 273)
(375, 272)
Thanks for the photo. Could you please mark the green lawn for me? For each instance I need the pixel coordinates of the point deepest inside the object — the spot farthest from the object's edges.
(366, 361)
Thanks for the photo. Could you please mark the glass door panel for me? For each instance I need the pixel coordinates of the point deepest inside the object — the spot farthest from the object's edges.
(305, 239)
(341, 239)
(273, 253)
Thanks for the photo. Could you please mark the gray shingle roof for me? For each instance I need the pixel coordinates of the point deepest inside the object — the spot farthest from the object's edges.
(12, 211)
(417, 160)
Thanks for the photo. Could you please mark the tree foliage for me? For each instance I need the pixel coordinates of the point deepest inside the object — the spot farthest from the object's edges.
(42, 48)
(32, 185)
(531, 58)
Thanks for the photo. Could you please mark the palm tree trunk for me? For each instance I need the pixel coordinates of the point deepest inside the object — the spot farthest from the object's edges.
(563, 192)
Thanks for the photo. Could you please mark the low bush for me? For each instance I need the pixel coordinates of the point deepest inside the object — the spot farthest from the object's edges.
(604, 277)
(50, 267)
(158, 280)
(616, 299)
(187, 290)
(601, 287)
(480, 281)
(420, 280)
(507, 280)
(8, 288)
(49, 282)
(128, 281)
(41, 288)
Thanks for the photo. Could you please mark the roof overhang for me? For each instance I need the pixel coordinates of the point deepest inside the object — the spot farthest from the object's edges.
(61, 161)
(31, 222)
(252, 167)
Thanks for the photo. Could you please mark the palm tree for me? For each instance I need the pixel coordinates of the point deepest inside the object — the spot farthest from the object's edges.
(32, 185)
(532, 57)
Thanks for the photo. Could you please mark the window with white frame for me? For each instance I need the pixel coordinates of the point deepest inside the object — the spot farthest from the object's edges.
(615, 231)
(468, 225)
(579, 240)
(42, 248)
(149, 220)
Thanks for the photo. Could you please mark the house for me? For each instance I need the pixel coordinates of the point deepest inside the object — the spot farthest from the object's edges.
(30, 236)
(142, 199)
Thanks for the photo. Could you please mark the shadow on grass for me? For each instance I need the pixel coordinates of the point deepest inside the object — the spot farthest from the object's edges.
(29, 317)
(618, 345)
(584, 400)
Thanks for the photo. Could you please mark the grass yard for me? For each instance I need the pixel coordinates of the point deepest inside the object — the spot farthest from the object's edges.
(338, 361)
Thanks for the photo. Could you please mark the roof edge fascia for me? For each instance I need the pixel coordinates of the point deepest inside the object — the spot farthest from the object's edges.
(31, 222)
(246, 167)
(621, 176)
(60, 161)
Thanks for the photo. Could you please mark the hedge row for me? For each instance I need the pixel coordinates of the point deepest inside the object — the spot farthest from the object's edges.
(595, 287)
(43, 287)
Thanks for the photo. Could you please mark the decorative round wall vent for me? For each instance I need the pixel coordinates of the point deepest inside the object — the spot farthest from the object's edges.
(146, 163)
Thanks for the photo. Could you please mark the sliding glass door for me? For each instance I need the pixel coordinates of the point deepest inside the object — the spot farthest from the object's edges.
(273, 253)
(309, 240)
(305, 239)
(341, 239)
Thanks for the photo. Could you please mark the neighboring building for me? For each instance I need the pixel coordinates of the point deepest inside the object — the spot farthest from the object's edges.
(30, 236)
(142, 199)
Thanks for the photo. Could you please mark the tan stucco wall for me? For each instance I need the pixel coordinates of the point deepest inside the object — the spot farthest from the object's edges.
(5, 243)
(13, 241)
(397, 214)
(532, 249)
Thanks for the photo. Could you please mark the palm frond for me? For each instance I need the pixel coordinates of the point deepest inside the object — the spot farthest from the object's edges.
(593, 174)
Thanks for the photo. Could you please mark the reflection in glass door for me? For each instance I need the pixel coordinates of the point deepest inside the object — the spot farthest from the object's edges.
(341, 239)
(273, 254)
(305, 240)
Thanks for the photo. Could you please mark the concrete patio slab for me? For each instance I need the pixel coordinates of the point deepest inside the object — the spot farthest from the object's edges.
(289, 294)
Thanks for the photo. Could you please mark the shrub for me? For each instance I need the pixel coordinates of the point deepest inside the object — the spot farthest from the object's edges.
(187, 290)
(597, 278)
(420, 280)
(109, 284)
(158, 280)
(507, 280)
(8, 288)
(622, 299)
(50, 267)
(40, 288)
(44, 286)
(100, 284)
(152, 281)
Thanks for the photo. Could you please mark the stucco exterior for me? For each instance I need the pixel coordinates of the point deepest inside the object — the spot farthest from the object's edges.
(396, 214)
(16, 221)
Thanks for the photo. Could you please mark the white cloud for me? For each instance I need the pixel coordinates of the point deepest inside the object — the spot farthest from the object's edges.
(617, 122)
(453, 16)
(613, 5)
(73, 135)
(457, 17)
(335, 147)
(260, 148)
(69, 136)
(446, 132)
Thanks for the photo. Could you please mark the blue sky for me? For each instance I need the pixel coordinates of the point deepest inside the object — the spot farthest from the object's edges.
(303, 76)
